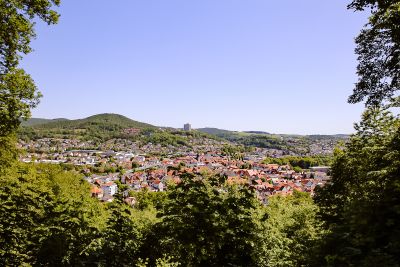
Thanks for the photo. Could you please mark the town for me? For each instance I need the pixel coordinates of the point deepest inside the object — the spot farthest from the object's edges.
(153, 167)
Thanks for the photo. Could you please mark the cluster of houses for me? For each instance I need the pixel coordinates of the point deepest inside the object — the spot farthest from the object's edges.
(266, 179)
(153, 167)
(103, 187)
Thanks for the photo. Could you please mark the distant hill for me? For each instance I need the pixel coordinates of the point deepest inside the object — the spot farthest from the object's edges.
(256, 132)
(99, 127)
(288, 143)
(258, 139)
(107, 120)
(215, 131)
(103, 127)
(324, 136)
(38, 121)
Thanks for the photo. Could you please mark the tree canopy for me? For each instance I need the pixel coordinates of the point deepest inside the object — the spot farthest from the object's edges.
(47, 217)
(361, 205)
(207, 224)
(378, 51)
(18, 93)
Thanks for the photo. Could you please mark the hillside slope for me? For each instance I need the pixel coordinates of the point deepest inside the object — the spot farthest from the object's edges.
(214, 131)
(39, 121)
(99, 127)
(107, 120)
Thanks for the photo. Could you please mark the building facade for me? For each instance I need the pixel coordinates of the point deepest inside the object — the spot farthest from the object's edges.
(187, 127)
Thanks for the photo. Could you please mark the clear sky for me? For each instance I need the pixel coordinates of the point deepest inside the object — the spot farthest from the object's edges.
(283, 66)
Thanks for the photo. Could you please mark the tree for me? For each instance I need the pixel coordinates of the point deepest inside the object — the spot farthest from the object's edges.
(361, 205)
(378, 50)
(73, 222)
(122, 243)
(22, 209)
(17, 28)
(8, 152)
(298, 169)
(18, 93)
(135, 164)
(122, 239)
(292, 233)
(47, 216)
(207, 224)
(146, 199)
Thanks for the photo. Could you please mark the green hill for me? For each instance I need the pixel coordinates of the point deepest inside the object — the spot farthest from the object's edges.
(215, 131)
(103, 127)
(38, 121)
(98, 127)
(299, 144)
(257, 139)
(106, 120)
(256, 132)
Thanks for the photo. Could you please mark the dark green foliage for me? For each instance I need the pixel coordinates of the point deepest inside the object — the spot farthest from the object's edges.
(378, 50)
(146, 199)
(22, 209)
(38, 121)
(8, 152)
(18, 93)
(101, 127)
(291, 233)
(301, 162)
(122, 239)
(206, 225)
(361, 206)
(135, 165)
(102, 121)
(47, 216)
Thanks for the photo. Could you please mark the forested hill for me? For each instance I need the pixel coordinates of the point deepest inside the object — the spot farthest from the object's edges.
(299, 144)
(102, 127)
(39, 121)
(215, 131)
(99, 127)
(106, 119)
(230, 134)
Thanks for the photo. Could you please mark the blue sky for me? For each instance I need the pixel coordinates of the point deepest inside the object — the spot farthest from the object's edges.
(279, 66)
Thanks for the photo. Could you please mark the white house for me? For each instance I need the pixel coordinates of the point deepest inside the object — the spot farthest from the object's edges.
(109, 189)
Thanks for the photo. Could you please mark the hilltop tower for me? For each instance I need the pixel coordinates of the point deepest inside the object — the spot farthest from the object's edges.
(187, 127)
